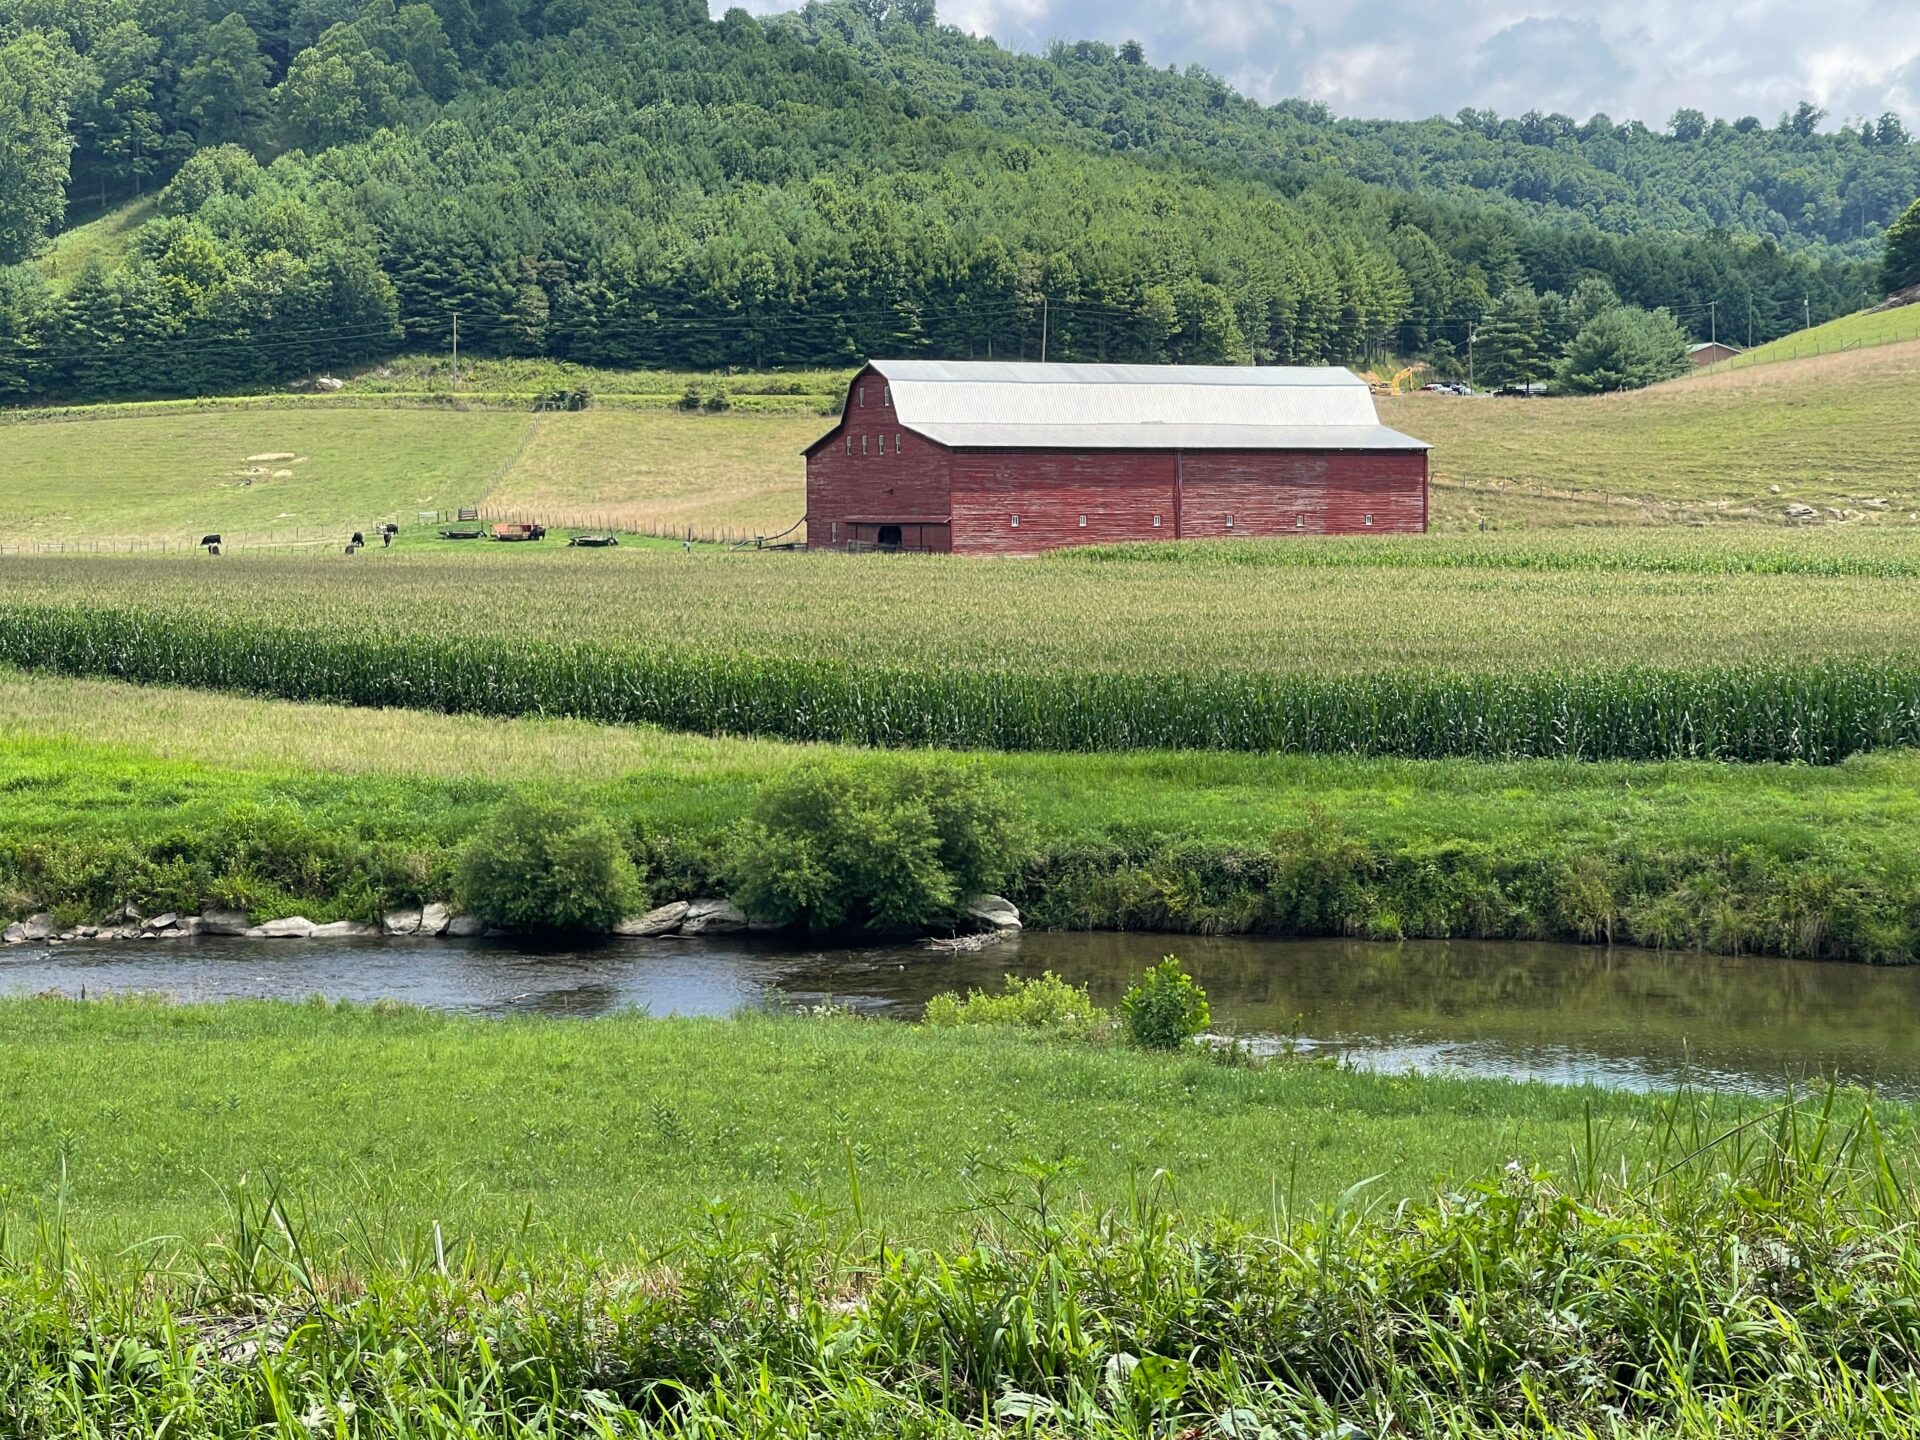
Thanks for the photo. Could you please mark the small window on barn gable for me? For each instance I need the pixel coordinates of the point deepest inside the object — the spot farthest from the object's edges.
(896, 442)
(863, 444)
(861, 391)
(849, 442)
(886, 396)
(1015, 521)
(1083, 522)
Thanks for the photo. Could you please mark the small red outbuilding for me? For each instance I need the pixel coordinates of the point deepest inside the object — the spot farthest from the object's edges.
(1011, 459)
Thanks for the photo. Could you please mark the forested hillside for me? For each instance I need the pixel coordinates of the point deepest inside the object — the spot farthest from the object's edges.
(1782, 178)
(625, 182)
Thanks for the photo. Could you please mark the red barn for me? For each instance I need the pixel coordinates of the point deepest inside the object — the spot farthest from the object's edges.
(1001, 458)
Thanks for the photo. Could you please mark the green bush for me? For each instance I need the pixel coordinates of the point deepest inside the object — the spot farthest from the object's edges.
(1166, 1009)
(874, 845)
(1048, 1004)
(545, 864)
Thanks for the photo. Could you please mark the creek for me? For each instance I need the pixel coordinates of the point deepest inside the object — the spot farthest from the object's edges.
(1630, 1019)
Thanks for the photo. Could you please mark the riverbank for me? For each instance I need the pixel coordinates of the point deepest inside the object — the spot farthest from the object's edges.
(177, 800)
(140, 1119)
(388, 1224)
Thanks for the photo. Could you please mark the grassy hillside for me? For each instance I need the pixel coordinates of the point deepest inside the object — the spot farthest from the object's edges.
(105, 237)
(657, 471)
(170, 473)
(1863, 330)
(1837, 432)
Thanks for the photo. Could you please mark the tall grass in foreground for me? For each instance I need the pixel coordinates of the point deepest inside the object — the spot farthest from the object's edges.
(1738, 1277)
(1781, 710)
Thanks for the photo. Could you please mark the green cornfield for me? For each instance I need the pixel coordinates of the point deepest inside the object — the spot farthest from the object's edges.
(1590, 649)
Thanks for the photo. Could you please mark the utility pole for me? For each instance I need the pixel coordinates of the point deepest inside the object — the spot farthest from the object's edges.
(456, 349)
(1808, 304)
(1043, 329)
(1749, 322)
(1470, 382)
(1713, 322)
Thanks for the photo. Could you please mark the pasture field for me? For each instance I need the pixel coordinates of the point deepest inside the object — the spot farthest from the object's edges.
(171, 798)
(1862, 330)
(1584, 652)
(664, 472)
(1836, 433)
(173, 473)
(1833, 433)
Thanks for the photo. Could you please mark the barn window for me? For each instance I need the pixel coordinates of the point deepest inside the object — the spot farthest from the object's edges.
(1367, 519)
(1015, 521)
(849, 442)
(836, 532)
(886, 396)
(1299, 522)
(1083, 522)
(1229, 522)
(862, 393)
(1156, 522)
(896, 442)
(863, 444)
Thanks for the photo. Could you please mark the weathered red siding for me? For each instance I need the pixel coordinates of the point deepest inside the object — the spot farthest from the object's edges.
(1118, 491)
(1303, 493)
(885, 476)
(869, 472)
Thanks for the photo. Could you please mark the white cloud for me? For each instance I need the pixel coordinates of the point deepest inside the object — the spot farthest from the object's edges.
(1401, 59)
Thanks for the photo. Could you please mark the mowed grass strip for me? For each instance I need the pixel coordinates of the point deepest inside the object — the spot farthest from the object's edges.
(243, 473)
(104, 756)
(136, 1119)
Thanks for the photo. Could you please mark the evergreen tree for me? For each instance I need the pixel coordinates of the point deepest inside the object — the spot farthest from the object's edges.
(1623, 348)
(1511, 346)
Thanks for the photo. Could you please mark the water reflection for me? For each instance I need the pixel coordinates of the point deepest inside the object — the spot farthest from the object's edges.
(1622, 1018)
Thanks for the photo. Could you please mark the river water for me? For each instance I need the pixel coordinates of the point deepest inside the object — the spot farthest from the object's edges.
(1622, 1018)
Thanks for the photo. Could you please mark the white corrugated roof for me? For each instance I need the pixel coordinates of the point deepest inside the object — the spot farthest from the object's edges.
(1003, 405)
(1156, 436)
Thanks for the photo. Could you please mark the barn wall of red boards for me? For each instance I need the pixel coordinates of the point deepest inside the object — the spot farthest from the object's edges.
(873, 481)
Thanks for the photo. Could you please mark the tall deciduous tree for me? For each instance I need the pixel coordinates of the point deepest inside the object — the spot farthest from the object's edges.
(1900, 265)
(223, 92)
(38, 78)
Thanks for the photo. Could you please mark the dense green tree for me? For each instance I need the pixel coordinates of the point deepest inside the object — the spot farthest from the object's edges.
(1512, 347)
(1900, 265)
(223, 91)
(38, 78)
(628, 182)
(1623, 348)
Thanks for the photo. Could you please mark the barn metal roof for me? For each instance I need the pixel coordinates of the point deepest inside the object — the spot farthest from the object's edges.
(1003, 405)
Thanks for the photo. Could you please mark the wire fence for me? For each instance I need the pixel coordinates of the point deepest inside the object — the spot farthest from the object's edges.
(1806, 344)
(326, 537)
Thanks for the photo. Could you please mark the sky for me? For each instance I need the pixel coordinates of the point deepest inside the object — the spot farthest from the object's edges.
(1407, 59)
